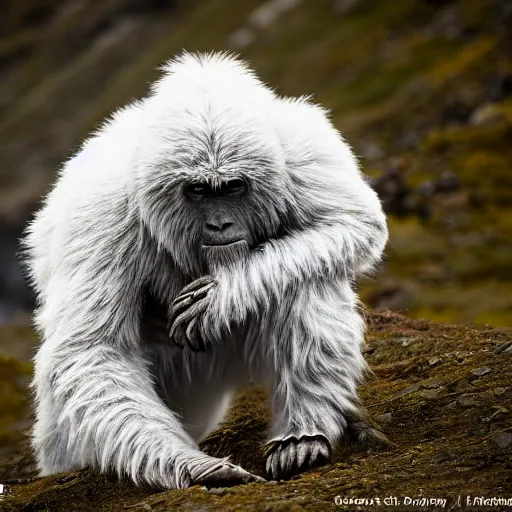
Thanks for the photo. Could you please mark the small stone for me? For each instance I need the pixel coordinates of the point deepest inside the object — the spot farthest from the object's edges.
(217, 490)
(500, 347)
(147, 506)
(384, 418)
(507, 351)
(434, 382)
(479, 372)
(66, 479)
(408, 390)
(434, 360)
(467, 401)
(486, 114)
(499, 410)
(503, 440)
(430, 393)
(460, 355)
(405, 341)
(204, 488)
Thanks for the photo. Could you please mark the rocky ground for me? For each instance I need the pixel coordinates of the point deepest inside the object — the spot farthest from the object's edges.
(441, 393)
(423, 91)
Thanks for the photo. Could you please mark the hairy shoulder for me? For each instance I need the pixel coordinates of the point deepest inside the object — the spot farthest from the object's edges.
(88, 202)
(309, 138)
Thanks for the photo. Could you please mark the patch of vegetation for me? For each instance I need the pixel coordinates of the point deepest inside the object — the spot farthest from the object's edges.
(441, 393)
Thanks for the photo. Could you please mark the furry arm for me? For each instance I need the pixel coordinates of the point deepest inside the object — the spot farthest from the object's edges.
(345, 233)
(93, 384)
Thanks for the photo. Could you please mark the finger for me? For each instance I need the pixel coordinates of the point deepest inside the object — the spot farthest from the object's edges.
(186, 315)
(197, 283)
(325, 451)
(288, 458)
(182, 305)
(314, 452)
(190, 311)
(275, 463)
(246, 476)
(186, 328)
(251, 477)
(228, 475)
(194, 339)
(194, 293)
(268, 465)
(175, 337)
(179, 340)
(375, 437)
(177, 329)
(302, 453)
(320, 455)
(189, 334)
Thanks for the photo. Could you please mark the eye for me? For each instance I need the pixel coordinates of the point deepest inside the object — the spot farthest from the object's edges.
(235, 186)
(196, 190)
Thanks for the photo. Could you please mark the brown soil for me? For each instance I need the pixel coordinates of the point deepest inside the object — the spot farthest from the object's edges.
(441, 393)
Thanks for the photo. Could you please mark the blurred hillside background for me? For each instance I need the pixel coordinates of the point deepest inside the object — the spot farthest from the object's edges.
(422, 89)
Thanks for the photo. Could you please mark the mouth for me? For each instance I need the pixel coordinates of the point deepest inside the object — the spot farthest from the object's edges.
(226, 244)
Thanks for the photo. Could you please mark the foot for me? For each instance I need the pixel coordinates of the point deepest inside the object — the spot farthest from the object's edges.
(365, 433)
(291, 456)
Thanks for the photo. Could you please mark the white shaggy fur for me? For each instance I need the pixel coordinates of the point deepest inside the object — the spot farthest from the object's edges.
(115, 224)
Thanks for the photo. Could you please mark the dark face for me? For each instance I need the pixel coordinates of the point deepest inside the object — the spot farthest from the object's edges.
(221, 227)
(225, 233)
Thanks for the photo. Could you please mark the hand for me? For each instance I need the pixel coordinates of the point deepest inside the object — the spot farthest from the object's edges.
(226, 475)
(188, 313)
(291, 456)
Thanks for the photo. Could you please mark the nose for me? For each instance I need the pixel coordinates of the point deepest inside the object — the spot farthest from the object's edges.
(218, 225)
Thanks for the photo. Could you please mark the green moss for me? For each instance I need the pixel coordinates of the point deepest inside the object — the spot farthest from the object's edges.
(13, 400)
(463, 60)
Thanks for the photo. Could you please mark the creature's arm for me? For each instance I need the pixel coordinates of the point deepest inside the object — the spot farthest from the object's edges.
(96, 403)
(344, 234)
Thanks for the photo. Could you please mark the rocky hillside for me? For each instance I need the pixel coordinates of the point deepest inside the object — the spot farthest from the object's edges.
(441, 393)
(421, 89)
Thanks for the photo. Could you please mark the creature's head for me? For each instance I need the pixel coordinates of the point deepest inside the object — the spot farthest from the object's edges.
(209, 173)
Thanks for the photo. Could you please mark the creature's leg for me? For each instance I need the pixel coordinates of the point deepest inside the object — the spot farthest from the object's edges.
(100, 409)
(315, 363)
(105, 414)
(49, 441)
(198, 386)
